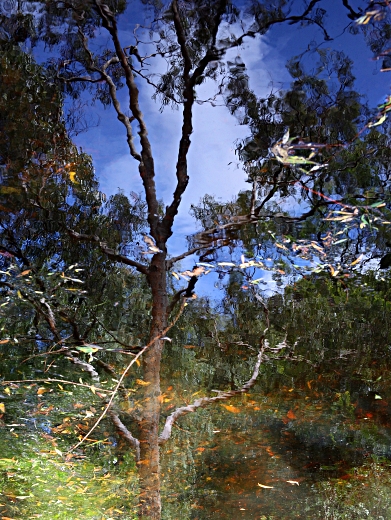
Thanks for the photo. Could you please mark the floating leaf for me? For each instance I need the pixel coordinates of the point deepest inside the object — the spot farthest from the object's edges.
(24, 273)
(291, 415)
(379, 122)
(265, 487)
(358, 260)
(232, 409)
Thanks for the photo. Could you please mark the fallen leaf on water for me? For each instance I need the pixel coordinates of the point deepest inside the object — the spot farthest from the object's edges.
(265, 487)
(291, 415)
(232, 409)
(293, 482)
(142, 383)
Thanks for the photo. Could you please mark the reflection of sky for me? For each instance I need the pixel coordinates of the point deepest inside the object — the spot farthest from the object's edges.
(213, 165)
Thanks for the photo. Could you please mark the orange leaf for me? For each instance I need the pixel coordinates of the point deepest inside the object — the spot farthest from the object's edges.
(24, 273)
(4, 341)
(42, 390)
(291, 415)
(232, 409)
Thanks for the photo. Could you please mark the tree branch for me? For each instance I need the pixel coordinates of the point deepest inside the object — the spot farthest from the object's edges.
(206, 401)
(146, 164)
(125, 432)
(189, 97)
(109, 252)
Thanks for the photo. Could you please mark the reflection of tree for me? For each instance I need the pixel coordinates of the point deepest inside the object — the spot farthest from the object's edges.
(56, 216)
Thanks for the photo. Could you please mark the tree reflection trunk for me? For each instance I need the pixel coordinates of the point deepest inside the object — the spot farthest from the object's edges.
(149, 464)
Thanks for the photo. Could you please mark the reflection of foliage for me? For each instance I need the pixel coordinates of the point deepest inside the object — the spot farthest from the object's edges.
(365, 494)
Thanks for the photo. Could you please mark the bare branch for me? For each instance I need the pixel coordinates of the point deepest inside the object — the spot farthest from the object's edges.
(206, 401)
(146, 164)
(109, 252)
(189, 98)
(126, 433)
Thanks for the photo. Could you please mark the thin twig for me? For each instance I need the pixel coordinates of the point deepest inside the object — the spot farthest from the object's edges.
(114, 393)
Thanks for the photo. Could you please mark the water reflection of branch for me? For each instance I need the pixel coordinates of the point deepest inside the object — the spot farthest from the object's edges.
(125, 432)
(206, 401)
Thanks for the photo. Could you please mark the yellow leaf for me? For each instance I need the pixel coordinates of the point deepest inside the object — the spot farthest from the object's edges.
(265, 487)
(175, 275)
(142, 383)
(93, 389)
(42, 390)
(2, 408)
(7, 390)
(357, 260)
(19, 295)
(72, 176)
(232, 409)
(138, 362)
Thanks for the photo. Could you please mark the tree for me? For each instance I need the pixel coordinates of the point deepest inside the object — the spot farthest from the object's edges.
(189, 41)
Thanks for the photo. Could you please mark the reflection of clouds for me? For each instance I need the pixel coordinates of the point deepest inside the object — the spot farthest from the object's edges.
(8, 7)
(213, 166)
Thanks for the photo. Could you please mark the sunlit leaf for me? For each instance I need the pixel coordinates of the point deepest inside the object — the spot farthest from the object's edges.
(2, 408)
(379, 122)
(142, 383)
(358, 260)
(293, 482)
(232, 409)
(264, 486)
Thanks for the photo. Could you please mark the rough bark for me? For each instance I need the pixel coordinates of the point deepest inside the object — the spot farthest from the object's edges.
(149, 464)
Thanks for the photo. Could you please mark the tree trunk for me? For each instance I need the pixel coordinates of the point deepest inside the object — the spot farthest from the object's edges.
(149, 465)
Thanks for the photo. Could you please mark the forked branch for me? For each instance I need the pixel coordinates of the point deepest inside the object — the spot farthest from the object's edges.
(206, 401)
